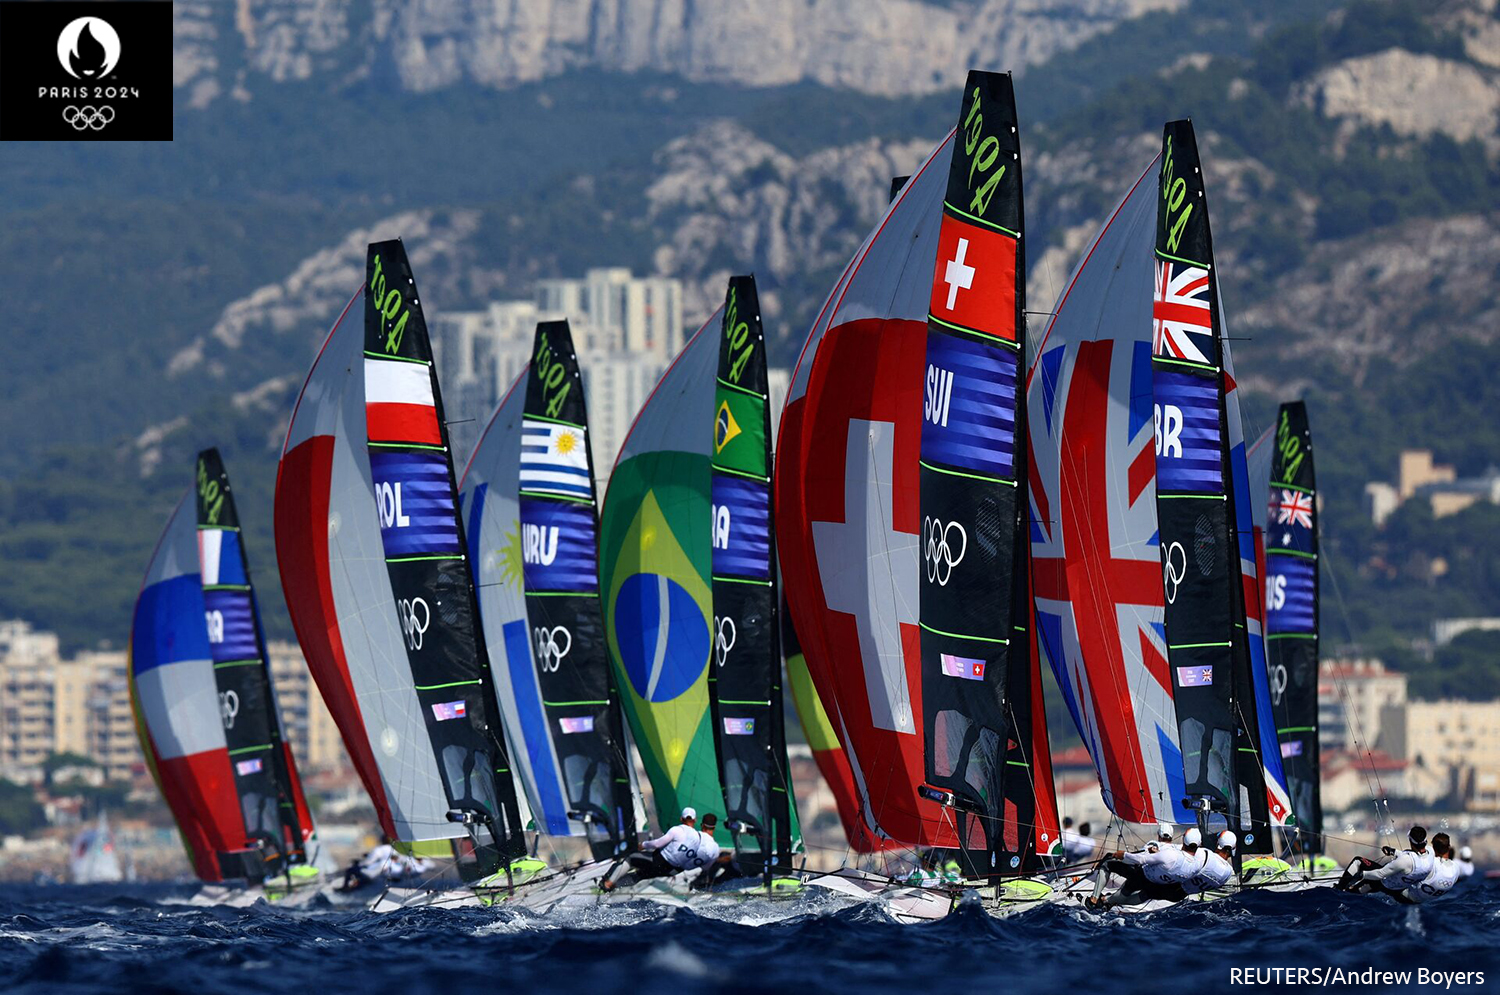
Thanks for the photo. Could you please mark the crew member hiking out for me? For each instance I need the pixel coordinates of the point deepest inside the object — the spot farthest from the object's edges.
(1155, 873)
(1445, 873)
(680, 848)
(1395, 873)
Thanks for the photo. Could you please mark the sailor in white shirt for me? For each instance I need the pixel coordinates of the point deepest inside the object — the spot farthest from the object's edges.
(1213, 866)
(1155, 872)
(1398, 872)
(680, 848)
(1443, 876)
(1465, 862)
(1164, 834)
(1077, 847)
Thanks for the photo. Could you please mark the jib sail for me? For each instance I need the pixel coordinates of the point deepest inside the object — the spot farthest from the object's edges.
(655, 566)
(1291, 541)
(744, 682)
(976, 665)
(265, 774)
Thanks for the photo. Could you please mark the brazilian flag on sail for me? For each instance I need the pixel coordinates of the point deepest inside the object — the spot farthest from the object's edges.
(654, 567)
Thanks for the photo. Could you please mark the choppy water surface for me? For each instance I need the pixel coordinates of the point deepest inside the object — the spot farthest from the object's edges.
(142, 938)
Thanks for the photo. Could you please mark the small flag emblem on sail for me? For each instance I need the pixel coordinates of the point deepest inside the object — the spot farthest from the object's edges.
(725, 428)
(1180, 326)
(246, 767)
(1291, 748)
(967, 667)
(577, 723)
(1194, 677)
(739, 727)
(398, 403)
(445, 710)
(554, 459)
(1295, 508)
(219, 557)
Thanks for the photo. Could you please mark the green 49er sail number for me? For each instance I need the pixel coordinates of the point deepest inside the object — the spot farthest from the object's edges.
(737, 335)
(389, 303)
(1173, 193)
(550, 373)
(209, 493)
(982, 160)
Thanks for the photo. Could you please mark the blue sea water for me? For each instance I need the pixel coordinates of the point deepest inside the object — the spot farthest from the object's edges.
(144, 939)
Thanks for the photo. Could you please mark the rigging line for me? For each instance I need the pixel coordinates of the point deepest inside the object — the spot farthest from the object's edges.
(1338, 682)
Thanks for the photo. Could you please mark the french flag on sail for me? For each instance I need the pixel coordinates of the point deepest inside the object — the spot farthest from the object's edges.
(219, 557)
(398, 403)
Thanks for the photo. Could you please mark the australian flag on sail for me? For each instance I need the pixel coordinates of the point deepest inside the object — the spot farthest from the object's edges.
(414, 501)
(742, 527)
(1289, 521)
(969, 406)
(1188, 457)
(557, 547)
(231, 626)
(554, 459)
(1290, 593)
(1180, 324)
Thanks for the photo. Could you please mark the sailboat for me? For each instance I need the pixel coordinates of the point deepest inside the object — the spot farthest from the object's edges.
(1147, 598)
(205, 706)
(851, 501)
(93, 858)
(1289, 528)
(378, 580)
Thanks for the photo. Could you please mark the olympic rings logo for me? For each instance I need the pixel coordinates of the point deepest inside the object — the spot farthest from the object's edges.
(415, 618)
(1172, 575)
(938, 541)
(551, 646)
(724, 636)
(229, 707)
(85, 117)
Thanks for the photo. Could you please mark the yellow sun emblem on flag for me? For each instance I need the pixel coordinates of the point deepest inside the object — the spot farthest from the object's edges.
(725, 428)
(509, 557)
(565, 442)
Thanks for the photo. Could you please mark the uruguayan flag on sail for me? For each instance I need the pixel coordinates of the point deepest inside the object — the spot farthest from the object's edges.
(554, 459)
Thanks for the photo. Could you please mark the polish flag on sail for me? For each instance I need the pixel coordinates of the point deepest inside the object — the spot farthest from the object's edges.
(398, 403)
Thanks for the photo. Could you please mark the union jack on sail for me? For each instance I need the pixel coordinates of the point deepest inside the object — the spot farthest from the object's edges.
(1295, 508)
(1180, 324)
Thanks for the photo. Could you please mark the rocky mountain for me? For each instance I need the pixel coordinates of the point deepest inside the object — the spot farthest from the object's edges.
(885, 47)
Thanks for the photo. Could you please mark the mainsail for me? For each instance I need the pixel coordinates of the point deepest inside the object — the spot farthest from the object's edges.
(201, 691)
(976, 666)
(1292, 616)
(377, 581)
(265, 779)
(655, 556)
(744, 682)
(528, 493)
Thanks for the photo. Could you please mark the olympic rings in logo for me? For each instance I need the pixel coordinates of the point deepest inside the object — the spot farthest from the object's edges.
(724, 636)
(1171, 574)
(938, 541)
(415, 618)
(551, 646)
(229, 707)
(85, 117)
(1278, 683)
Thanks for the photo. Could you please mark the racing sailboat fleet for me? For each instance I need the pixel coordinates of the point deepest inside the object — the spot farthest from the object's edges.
(956, 499)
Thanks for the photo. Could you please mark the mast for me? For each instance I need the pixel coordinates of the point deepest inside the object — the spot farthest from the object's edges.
(976, 668)
(1205, 627)
(423, 538)
(744, 683)
(560, 573)
(1292, 618)
(264, 772)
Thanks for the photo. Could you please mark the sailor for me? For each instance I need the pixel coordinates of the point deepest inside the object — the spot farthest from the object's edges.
(1155, 872)
(717, 865)
(1444, 873)
(678, 849)
(1164, 834)
(1465, 862)
(925, 874)
(1393, 875)
(380, 862)
(1213, 866)
(1077, 847)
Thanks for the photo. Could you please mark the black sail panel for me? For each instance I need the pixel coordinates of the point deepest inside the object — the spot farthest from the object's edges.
(1207, 648)
(744, 682)
(412, 470)
(973, 539)
(247, 703)
(560, 575)
(1291, 540)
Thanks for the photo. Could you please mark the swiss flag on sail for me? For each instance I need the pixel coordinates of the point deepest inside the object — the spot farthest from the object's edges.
(974, 279)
